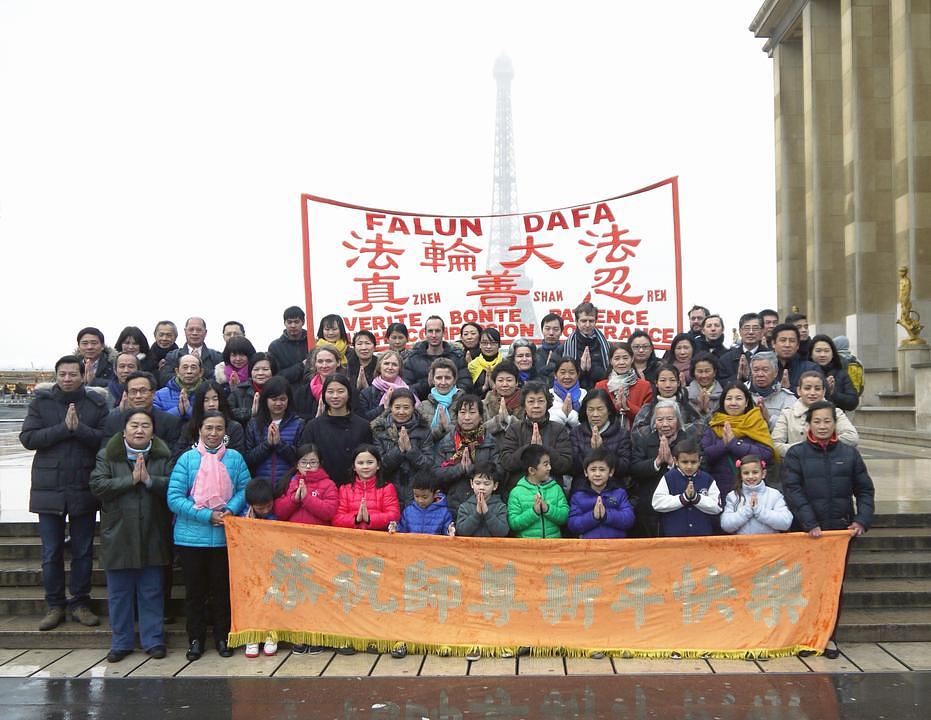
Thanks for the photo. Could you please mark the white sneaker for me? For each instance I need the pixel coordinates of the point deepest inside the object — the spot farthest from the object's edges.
(270, 647)
(252, 650)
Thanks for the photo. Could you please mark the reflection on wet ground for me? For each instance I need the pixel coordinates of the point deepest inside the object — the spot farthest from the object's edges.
(819, 697)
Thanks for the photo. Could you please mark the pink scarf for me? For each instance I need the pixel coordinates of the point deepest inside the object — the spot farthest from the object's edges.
(316, 386)
(212, 486)
(384, 386)
(243, 372)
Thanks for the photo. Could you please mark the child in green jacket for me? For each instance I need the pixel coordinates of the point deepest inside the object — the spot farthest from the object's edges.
(537, 506)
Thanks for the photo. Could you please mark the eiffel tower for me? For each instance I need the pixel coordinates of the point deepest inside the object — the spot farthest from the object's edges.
(506, 232)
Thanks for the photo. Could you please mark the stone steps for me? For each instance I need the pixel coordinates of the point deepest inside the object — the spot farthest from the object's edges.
(875, 433)
(885, 625)
(887, 418)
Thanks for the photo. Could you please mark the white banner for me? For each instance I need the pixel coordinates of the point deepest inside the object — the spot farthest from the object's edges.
(374, 267)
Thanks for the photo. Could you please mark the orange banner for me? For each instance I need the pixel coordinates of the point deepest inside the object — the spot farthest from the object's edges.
(730, 596)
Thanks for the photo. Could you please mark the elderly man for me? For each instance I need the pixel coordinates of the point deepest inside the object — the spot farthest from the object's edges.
(64, 427)
(764, 386)
(139, 395)
(195, 333)
(125, 364)
(652, 456)
(175, 398)
(166, 332)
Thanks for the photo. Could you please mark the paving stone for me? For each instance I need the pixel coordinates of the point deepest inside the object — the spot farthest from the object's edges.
(304, 665)
(169, 666)
(633, 666)
(869, 657)
(917, 655)
(791, 664)
(7, 654)
(726, 666)
(540, 666)
(30, 662)
(387, 666)
(73, 664)
(821, 664)
(589, 666)
(124, 667)
(493, 666)
(434, 665)
(358, 665)
(212, 665)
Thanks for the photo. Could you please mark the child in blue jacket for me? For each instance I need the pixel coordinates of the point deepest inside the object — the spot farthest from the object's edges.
(600, 510)
(428, 514)
(687, 496)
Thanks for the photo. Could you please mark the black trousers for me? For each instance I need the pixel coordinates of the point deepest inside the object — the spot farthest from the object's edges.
(206, 578)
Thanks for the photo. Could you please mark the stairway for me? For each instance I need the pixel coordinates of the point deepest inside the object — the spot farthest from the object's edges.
(887, 592)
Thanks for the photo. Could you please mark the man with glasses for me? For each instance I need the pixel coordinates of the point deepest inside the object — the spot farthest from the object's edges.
(140, 392)
(735, 363)
(195, 333)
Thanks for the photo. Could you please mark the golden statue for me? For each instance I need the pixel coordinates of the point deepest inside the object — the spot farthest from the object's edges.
(909, 319)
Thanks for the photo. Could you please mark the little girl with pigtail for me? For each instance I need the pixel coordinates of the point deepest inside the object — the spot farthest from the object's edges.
(752, 507)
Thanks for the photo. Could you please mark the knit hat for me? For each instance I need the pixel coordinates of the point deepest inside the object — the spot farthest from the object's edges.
(90, 331)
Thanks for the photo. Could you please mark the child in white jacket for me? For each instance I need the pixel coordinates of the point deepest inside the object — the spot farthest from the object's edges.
(752, 507)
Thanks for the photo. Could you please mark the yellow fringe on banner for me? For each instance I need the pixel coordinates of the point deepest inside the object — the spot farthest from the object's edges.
(245, 637)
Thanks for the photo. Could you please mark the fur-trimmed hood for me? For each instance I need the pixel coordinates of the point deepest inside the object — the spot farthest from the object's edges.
(94, 392)
(114, 450)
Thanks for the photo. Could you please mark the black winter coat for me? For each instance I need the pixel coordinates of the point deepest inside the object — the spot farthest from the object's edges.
(290, 355)
(337, 437)
(616, 440)
(516, 438)
(135, 522)
(64, 458)
(845, 395)
(240, 400)
(398, 467)
(167, 426)
(417, 366)
(645, 477)
(454, 479)
(820, 484)
(209, 359)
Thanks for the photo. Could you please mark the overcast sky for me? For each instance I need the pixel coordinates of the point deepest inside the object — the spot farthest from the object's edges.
(152, 155)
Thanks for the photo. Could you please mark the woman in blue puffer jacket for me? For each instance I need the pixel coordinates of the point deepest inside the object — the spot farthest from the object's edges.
(207, 484)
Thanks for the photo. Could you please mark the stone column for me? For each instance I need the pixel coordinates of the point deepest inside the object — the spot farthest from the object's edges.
(824, 195)
(911, 146)
(868, 230)
(791, 251)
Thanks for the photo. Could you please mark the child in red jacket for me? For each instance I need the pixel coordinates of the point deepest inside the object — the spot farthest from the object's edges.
(310, 496)
(369, 502)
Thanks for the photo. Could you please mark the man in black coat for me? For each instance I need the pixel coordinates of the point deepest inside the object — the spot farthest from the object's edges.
(734, 365)
(140, 391)
(417, 363)
(290, 350)
(64, 426)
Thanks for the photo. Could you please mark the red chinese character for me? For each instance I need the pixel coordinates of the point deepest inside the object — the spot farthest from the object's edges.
(531, 248)
(609, 276)
(458, 256)
(378, 289)
(615, 243)
(382, 259)
(497, 289)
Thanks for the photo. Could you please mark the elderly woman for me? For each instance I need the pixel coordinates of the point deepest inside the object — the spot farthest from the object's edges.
(373, 400)
(600, 426)
(322, 363)
(535, 429)
(822, 477)
(243, 399)
(651, 457)
(207, 485)
(791, 426)
(130, 480)
(467, 443)
(405, 442)
(768, 394)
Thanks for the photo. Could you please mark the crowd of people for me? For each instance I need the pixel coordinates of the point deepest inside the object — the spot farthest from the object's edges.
(451, 435)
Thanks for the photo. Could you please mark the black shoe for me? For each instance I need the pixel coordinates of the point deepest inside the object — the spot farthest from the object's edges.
(157, 652)
(346, 650)
(831, 651)
(195, 650)
(523, 651)
(399, 651)
(114, 656)
(224, 650)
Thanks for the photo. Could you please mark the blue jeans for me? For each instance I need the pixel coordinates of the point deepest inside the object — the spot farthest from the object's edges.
(144, 585)
(52, 533)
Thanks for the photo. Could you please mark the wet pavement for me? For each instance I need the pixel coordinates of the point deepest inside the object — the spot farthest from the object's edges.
(724, 697)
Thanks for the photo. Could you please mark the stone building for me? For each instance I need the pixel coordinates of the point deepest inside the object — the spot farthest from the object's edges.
(852, 103)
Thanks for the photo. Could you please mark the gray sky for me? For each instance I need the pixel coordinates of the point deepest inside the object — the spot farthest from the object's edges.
(152, 155)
